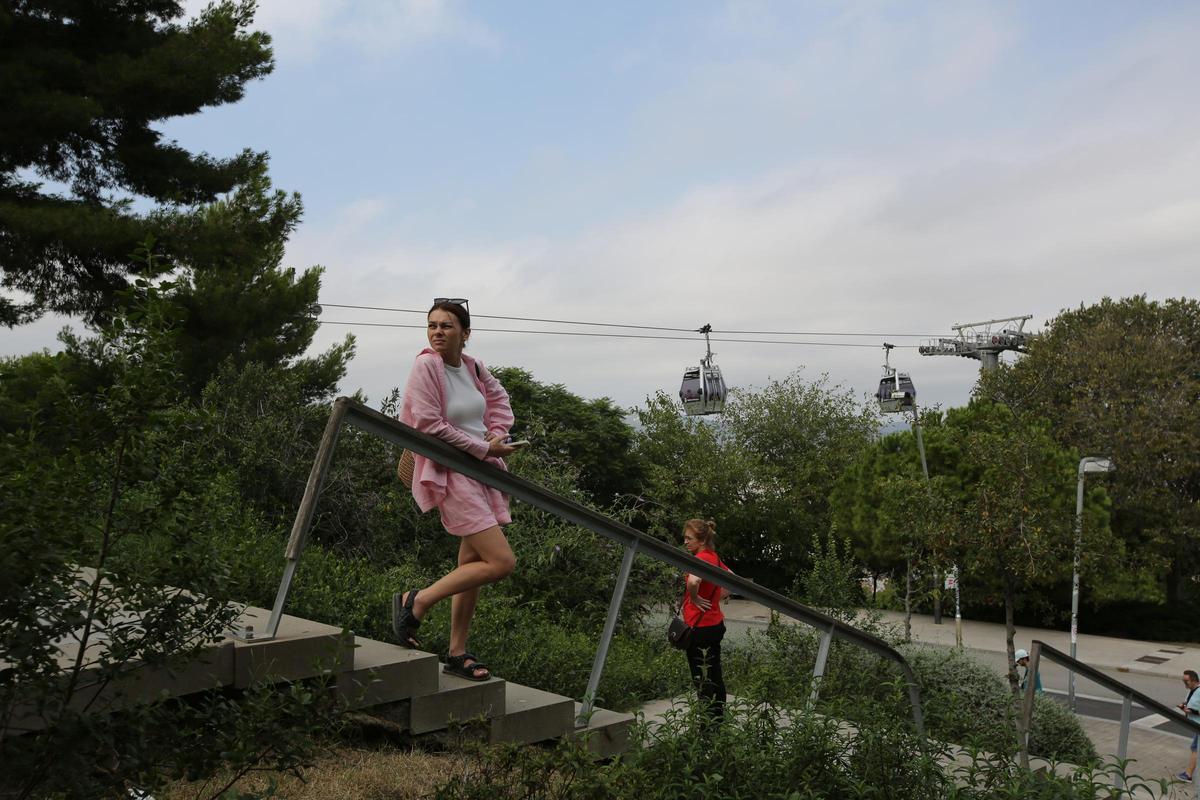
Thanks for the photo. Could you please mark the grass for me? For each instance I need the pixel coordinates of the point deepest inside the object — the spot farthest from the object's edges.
(345, 772)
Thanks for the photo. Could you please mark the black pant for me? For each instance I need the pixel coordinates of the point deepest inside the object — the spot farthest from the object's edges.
(704, 662)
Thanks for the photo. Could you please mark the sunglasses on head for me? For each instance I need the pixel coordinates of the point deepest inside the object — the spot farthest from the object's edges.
(458, 301)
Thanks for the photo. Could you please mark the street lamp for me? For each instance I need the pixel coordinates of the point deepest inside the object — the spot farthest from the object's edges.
(1086, 465)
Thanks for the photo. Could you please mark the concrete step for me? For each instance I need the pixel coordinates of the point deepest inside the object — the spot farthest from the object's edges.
(531, 715)
(456, 700)
(607, 732)
(385, 673)
(301, 649)
(137, 683)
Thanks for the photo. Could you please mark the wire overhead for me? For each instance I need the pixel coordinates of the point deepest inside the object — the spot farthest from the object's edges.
(620, 325)
(614, 335)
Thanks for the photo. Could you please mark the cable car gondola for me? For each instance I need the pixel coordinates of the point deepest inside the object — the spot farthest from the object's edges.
(703, 389)
(896, 390)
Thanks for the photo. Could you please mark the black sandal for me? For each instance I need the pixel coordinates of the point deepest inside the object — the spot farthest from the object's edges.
(457, 665)
(404, 621)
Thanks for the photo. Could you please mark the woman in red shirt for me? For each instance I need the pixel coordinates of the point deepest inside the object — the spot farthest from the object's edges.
(702, 611)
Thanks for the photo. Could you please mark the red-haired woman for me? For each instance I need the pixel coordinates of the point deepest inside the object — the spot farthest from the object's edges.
(702, 611)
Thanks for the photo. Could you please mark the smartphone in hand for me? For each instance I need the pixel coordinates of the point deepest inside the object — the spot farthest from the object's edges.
(516, 443)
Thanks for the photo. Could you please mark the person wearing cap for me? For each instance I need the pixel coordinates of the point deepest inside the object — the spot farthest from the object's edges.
(1022, 659)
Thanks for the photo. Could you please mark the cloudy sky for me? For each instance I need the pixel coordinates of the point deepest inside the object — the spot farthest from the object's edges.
(886, 168)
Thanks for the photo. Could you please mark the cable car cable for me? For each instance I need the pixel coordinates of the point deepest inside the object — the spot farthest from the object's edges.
(615, 335)
(518, 319)
(638, 327)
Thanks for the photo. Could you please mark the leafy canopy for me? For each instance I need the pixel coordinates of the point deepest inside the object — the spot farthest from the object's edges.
(82, 86)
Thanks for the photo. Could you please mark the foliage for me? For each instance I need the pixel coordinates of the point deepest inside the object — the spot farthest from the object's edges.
(107, 573)
(763, 751)
(238, 305)
(965, 702)
(763, 470)
(1121, 379)
(831, 583)
(1019, 532)
(999, 505)
(758, 752)
(81, 87)
(591, 437)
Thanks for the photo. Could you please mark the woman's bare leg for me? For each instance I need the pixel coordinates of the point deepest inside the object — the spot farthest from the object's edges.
(483, 558)
(462, 605)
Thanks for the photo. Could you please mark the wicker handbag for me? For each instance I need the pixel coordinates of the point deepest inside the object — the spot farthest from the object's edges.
(404, 468)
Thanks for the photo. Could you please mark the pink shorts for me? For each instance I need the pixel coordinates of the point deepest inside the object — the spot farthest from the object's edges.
(470, 507)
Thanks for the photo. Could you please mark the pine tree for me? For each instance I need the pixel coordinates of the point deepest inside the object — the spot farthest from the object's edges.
(82, 85)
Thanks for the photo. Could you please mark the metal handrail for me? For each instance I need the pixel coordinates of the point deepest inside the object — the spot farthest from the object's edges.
(346, 410)
(1128, 695)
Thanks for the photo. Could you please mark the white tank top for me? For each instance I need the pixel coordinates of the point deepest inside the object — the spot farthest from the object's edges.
(464, 404)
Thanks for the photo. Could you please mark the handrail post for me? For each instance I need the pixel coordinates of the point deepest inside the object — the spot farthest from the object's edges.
(610, 625)
(304, 516)
(1123, 742)
(819, 666)
(1025, 720)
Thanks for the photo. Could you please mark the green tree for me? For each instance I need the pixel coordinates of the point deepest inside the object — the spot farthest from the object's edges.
(763, 469)
(1018, 530)
(591, 435)
(884, 505)
(920, 520)
(1121, 378)
(82, 85)
(95, 531)
(238, 303)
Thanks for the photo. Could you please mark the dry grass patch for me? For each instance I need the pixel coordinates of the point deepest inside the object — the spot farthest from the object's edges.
(345, 773)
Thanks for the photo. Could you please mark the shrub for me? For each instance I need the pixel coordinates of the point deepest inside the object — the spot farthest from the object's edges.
(966, 702)
(761, 751)
(757, 752)
(1057, 735)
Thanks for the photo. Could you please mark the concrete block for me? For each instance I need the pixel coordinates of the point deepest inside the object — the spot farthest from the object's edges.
(135, 684)
(531, 715)
(607, 732)
(457, 699)
(301, 649)
(384, 673)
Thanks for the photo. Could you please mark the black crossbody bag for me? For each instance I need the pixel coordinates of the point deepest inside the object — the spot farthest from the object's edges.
(679, 633)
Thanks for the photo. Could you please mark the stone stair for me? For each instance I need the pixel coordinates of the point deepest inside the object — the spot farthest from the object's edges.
(409, 689)
(405, 687)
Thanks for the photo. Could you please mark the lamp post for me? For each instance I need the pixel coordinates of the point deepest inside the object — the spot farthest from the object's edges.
(1086, 465)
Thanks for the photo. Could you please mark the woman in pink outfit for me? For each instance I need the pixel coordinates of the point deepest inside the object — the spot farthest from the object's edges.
(453, 397)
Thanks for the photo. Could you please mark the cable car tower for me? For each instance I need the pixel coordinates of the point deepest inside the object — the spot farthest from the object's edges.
(977, 340)
(702, 390)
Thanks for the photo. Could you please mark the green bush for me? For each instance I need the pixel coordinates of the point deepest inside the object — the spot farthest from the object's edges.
(1057, 735)
(967, 703)
(757, 753)
(761, 751)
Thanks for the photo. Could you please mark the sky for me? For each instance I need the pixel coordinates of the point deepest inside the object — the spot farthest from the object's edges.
(887, 168)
